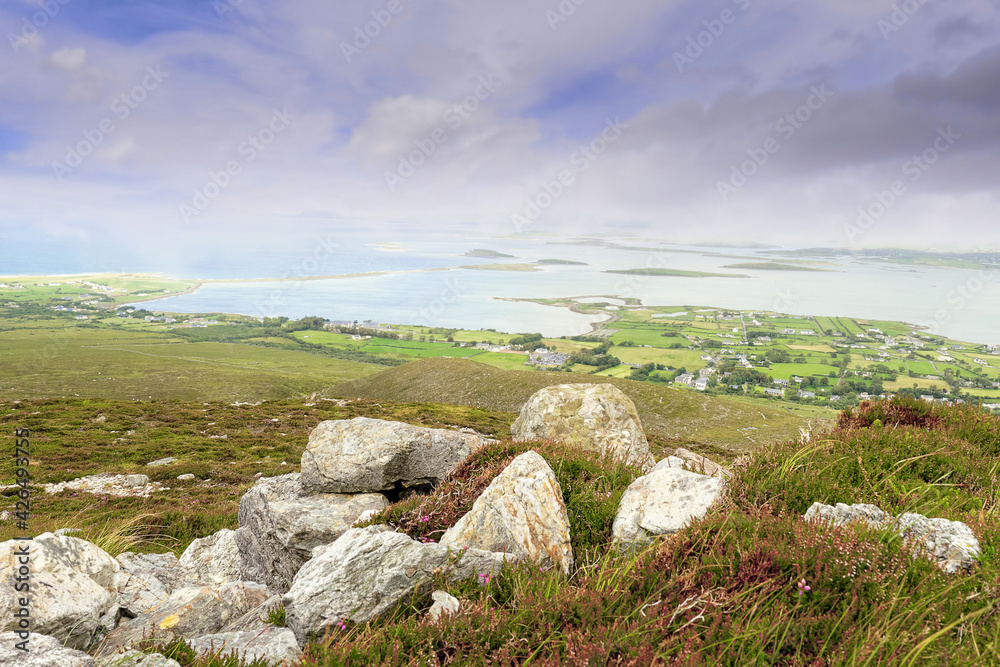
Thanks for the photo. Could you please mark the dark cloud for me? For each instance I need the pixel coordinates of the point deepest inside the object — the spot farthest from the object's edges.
(976, 83)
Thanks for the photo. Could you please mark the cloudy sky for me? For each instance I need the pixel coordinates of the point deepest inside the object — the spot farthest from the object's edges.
(187, 121)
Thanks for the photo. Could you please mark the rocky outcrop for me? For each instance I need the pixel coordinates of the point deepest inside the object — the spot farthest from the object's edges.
(841, 514)
(145, 581)
(215, 559)
(188, 613)
(520, 512)
(594, 417)
(73, 584)
(950, 544)
(663, 502)
(444, 605)
(280, 526)
(362, 455)
(133, 658)
(43, 651)
(367, 571)
(700, 464)
(272, 644)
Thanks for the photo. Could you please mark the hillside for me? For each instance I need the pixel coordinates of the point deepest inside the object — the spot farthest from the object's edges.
(668, 414)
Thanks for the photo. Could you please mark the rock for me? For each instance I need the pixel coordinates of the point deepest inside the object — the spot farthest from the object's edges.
(106, 484)
(444, 604)
(841, 514)
(663, 502)
(365, 516)
(520, 512)
(700, 464)
(255, 620)
(279, 527)
(188, 612)
(362, 455)
(367, 571)
(951, 543)
(275, 645)
(133, 658)
(187, 477)
(67, 531)
(161, 462)
(594, 417)
(146, 581)
(73, 584)
(43, 651)
(136, 480)
(215, 558)
(670, 462)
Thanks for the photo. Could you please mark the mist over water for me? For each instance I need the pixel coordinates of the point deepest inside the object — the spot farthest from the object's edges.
(957, 303)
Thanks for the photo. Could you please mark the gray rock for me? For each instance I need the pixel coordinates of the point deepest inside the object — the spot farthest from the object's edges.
(363, 455)
(136, 480)
(520, 512)
(951, 544)
(841, 514)
(594, 417)
(216, 558)
(161, 462)
(73, 584)
(700, 464)
(671, 462)
(67, 531)
(279, 527)
(444, 605)
(255, 620)
(187, 477)
(146, 581)
(187, 613)
(663, 502)
(133, 658)
(273, 644)
(43, 651)
(367, 571)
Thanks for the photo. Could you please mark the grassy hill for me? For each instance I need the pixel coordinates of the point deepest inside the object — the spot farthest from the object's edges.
(669, 415)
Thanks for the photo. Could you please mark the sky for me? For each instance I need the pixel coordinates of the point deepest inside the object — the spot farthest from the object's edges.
(154, 125)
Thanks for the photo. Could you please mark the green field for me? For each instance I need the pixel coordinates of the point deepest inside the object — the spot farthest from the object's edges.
(669, 414)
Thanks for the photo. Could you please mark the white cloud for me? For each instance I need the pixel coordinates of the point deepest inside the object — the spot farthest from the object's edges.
(69, 60)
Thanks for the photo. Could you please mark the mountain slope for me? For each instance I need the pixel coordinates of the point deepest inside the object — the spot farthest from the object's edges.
(669, 414)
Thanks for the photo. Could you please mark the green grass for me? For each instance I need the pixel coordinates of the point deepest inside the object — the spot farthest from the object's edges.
(751, 583)
(785, 371)
(670, 415)
(72, 438)
(772, 266)
(921, 367)
(676, 273)
(107, 363)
